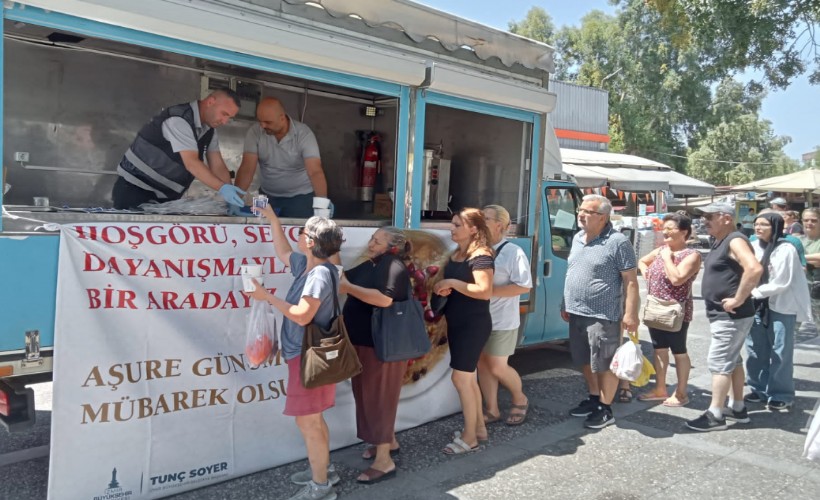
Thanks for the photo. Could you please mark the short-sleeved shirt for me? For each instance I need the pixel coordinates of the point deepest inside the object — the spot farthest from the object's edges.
(316, 283)
(282, 163)
(811, 246)
(594, 285)
(178, 132)
(511, 268)
(387, 274)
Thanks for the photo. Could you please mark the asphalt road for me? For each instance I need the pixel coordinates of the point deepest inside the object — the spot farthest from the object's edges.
(647, 454)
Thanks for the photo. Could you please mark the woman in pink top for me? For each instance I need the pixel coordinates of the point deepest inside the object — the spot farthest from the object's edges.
(669, 272)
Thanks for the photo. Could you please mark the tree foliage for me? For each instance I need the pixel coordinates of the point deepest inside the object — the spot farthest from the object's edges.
(537, 25)
(778, 37)
(666, 98)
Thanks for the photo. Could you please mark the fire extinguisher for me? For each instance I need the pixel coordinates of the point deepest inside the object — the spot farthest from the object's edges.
(370, 166)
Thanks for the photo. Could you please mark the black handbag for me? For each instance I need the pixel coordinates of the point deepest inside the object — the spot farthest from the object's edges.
(328, 356)
(815, 289)
(399, 332)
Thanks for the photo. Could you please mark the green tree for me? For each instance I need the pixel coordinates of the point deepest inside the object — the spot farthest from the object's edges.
(777, 37)
(657, 93)
(537, 25)
(739, 146)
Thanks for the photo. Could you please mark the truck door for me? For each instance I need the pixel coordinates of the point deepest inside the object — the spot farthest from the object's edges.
(560, 201)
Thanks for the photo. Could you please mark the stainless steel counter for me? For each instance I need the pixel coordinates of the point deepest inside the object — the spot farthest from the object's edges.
(24, 220)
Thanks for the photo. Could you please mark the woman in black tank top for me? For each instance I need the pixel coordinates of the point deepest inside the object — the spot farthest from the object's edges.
(468, 284)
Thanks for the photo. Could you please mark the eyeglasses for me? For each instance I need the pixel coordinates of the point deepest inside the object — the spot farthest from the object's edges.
(757, 224)
(301, 231)
(588, 212)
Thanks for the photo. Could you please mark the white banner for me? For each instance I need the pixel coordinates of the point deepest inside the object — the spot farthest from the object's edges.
(152, 393)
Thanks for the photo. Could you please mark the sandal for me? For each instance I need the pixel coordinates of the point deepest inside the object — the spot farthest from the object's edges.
(624, 395)
(481, 440)
(374, 475)
(489, 418)
(459, 447)
(370, 452)
(652, 396)
(674, 402)
(517, 414)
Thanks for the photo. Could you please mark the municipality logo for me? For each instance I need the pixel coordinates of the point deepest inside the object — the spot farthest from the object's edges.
(114, 491)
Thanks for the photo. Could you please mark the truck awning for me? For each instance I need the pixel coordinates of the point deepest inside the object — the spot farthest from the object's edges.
(629, 173)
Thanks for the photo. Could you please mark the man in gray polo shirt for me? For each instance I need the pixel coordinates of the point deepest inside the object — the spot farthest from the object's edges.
(290, 165)
(602, 270)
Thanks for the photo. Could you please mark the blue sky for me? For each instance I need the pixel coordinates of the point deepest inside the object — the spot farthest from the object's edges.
(794, 112)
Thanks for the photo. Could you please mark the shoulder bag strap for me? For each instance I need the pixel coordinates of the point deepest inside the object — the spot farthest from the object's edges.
(498, 252)
(336, 309)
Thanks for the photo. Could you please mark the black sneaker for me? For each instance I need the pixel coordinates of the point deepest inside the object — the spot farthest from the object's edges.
(707, 422)
(779, 405)
(753, 397)
(741, 417)
(585, 408)
(599, 419)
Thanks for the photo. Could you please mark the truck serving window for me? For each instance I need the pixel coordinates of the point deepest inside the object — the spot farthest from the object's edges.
(563, 209)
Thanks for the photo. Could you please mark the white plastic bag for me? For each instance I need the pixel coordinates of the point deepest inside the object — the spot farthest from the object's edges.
(261, 341)
(812, 448)
(627, 363)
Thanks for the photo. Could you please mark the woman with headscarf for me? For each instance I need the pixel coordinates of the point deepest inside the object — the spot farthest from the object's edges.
(781, 299)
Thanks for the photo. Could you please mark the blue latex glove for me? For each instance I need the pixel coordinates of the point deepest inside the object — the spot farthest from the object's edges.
(235, 211)
(232, 194)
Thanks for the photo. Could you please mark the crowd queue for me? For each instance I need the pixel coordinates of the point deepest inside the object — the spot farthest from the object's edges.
(756, 293)
(761, 278)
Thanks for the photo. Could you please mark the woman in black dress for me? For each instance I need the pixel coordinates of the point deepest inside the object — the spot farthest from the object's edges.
(376, 282)
(468, 284)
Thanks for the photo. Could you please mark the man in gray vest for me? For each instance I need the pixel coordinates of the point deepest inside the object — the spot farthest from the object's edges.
(171, 150)
(290, 166)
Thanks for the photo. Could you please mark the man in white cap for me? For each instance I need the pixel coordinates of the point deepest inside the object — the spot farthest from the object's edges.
(730, 272)
(780, 204)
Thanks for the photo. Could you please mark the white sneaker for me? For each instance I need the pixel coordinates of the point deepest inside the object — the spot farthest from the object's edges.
(306, 476)
(313, 491)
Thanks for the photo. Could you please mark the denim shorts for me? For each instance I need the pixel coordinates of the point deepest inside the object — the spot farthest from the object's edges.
(728, 338)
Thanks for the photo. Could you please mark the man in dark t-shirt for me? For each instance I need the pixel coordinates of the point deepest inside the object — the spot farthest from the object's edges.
(730, 272)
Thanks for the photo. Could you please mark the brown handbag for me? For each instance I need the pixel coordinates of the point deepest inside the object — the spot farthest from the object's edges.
(666, 315)
(328, 357)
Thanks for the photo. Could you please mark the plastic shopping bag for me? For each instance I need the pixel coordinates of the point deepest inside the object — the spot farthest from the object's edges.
(812, 448)
(628, 360)
(261, 342)
(647, 370)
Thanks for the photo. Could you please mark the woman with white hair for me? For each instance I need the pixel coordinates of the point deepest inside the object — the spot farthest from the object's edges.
(512, 278)
(309, 299)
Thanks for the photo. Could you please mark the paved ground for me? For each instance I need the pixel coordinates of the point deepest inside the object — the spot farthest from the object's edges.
(647, 454)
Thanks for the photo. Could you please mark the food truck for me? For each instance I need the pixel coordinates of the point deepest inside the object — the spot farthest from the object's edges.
(452, 113)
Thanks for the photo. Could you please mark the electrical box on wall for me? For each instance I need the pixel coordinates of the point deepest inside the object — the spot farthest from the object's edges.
(249, 92)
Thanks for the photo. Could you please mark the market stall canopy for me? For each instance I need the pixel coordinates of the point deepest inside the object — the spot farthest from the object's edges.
(802, 181)
(628, 173)
(420, 24)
